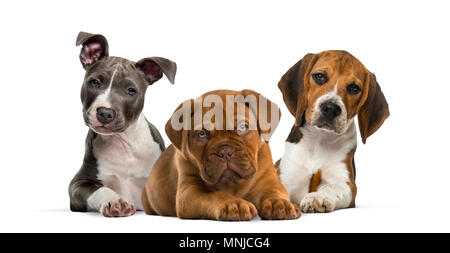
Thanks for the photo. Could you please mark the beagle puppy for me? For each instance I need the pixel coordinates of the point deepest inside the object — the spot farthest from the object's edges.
(324, 92)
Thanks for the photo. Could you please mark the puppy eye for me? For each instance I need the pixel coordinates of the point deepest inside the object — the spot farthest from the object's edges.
(353, 89)
(242, 128)
(202, 134)
(131, 91)
(320, 78)
(94, 83)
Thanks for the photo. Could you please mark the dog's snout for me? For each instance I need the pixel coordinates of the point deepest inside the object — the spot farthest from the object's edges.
(226, 153)
(330, 110)
(105, 115)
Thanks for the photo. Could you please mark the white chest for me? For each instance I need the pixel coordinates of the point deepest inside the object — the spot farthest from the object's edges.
(124, 163)
(316, 150)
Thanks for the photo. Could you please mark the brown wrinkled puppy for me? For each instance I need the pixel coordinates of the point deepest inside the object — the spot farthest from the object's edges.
(219, 174)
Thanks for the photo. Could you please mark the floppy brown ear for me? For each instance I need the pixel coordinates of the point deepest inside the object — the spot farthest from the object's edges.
(374, 110)
(155, 67)
(176, 124)
(292, 86)
(268, 117)
(95, 47)
(175, 136)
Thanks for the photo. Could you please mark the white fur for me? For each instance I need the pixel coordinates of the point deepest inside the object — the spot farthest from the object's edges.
(124, 161)
(341, 120)
(102, 100)
(100, 198)
(110, 85)
(324, 150)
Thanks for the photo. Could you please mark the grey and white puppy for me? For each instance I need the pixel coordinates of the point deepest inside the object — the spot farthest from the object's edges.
(121, 145)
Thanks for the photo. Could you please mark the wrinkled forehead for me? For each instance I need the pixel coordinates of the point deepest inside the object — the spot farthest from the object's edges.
(222, 112)
(339, 63)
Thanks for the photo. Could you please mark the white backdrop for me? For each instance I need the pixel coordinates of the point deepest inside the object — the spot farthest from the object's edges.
(402, 171)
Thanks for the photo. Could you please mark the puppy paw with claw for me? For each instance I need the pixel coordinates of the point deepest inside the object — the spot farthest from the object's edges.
(279, 209)
(316, 203)
(236, 210)
(119, 208)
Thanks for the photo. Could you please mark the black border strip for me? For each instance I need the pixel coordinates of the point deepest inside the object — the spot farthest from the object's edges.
(235, 242)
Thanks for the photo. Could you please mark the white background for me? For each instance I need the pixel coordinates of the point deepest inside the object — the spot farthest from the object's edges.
(402, 172)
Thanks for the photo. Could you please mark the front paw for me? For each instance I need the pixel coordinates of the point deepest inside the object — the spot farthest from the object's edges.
(279, 209)
(315, 203)
(118, 208)
(236, 210)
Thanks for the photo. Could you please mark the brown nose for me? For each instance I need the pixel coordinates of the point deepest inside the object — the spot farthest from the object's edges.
(226, 153)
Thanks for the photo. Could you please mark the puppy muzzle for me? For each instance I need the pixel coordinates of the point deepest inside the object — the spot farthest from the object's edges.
(228, 163)
(104, 121)
(330, 116)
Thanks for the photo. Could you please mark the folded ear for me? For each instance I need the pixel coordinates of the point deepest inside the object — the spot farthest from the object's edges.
(293, 88)
(154, 67)
(175, 136)
(268, 114)
(374, 109)
(180, 121)
(95, 47)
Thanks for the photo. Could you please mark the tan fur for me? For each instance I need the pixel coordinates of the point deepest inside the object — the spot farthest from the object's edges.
(351, 183)
(181, 183)
(300, 93)
(277, 167)
(315, 181)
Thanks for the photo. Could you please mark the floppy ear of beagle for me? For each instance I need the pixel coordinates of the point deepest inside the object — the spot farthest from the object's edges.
(324, 92)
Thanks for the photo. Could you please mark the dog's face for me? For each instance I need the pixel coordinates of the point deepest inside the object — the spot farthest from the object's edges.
(224, 155)
(336, 82)
(327, 90)
(114, 88)
(224, 149)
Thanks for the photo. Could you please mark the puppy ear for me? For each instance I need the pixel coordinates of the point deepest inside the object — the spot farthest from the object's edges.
(268, 114)
(175, 136)
(292, 86)
(95, 47)
(154, 67)
(374, 109)
(177, 123)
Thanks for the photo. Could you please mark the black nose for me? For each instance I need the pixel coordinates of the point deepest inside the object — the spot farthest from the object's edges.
(226, 153)
(330, 110)
(105, 115)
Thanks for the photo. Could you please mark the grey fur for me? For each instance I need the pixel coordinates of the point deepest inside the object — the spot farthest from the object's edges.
(85, 182)
(156, 136)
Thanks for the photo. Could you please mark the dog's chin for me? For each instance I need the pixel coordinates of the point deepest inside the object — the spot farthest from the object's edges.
(328, 127)
(108, 129)
(102, 130)
(226, 173)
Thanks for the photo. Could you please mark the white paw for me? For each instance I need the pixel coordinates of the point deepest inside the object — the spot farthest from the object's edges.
(316, 203)
(108, 203)
(118, 208)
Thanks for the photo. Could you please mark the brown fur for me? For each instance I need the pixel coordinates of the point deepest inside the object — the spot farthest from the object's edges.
(351, 183)
(186, 181)
(315, 181)
(277, 167)
(300, 92)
